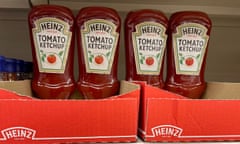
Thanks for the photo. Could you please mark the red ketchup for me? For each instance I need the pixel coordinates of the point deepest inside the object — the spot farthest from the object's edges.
(145, 42)
(98, 31)
(188, 40)
(52, 39)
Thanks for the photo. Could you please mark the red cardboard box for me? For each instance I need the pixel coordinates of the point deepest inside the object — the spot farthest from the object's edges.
(27, 120)
(167, 117)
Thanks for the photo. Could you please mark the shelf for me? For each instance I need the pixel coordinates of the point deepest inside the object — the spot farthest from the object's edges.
(19, 4)
(14, 4)
(221, 7)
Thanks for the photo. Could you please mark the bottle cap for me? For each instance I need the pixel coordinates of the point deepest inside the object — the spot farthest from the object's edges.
(19, 65)
(10, 65)
(28, 67)
(2, 64)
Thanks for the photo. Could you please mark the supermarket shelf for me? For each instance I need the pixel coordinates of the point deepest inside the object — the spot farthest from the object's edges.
(20, 4)
(222, 7)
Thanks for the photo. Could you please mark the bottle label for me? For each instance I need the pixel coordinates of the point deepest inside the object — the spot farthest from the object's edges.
(52, 38)
(189, 44)
(99, 39)
(149, 42)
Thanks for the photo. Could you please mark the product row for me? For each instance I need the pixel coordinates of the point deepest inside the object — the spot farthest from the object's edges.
(12, 69)
(148, 35)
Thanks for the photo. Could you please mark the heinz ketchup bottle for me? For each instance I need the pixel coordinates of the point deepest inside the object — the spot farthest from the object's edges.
(145, 42)
(98, 31)
(52, 37)
(189, 33)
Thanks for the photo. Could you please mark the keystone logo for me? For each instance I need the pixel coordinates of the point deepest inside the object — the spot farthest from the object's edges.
(166, 131)
(18, 133)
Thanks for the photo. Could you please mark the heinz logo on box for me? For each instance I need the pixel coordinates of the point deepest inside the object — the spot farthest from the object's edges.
(166, 131)
(18, 133)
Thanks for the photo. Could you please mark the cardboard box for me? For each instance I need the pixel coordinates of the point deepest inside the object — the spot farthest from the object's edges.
(20, 87)
(27, 120)
(167, 117)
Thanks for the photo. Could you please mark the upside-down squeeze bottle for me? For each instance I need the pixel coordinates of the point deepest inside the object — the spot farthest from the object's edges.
(51, 30)
(189, 33)
(98, 31)
(145, 43)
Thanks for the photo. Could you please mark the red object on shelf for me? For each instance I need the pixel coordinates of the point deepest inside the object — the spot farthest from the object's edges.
(168, 117)
(145, 43)
(98, 36)
(27, 120)
(51, 31)
(188, 39)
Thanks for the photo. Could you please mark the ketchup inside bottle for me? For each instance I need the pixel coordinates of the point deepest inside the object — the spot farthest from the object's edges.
(98, 31)
(188, 33)
(52, 39)
(145, 42)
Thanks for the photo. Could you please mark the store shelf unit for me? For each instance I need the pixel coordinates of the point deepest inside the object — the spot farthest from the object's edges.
(221, 7)
(223, 57)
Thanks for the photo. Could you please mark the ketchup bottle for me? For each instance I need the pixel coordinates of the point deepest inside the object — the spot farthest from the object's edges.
(145, 42)
(189, 33)
(98, 31)
(51, 29)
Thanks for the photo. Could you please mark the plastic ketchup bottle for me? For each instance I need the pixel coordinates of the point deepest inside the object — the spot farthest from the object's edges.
(52, 38)
(98, 31)
(188, 40)
(145, 43)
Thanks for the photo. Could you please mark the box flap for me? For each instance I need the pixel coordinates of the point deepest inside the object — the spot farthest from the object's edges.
(192, 120)
(126, 87)
(22, 87)
(8, 94)
(155, 92)
(222, 90)
(70, 120)
(58, 121)
(172, 119)
(22, 90)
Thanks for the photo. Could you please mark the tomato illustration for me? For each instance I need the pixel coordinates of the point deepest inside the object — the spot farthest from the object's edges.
(51, 58)
(189, 61)
(98, 59)
(149, 61)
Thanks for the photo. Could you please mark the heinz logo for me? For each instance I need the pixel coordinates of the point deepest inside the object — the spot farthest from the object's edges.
(166, 131)
(18, 133)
